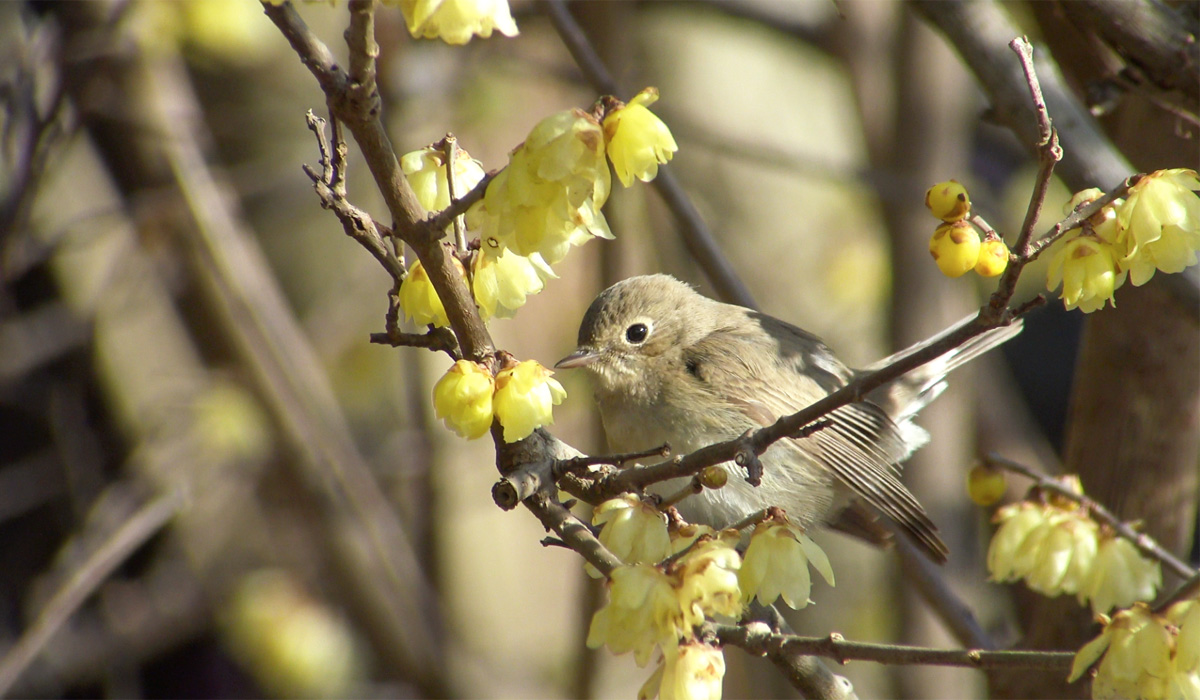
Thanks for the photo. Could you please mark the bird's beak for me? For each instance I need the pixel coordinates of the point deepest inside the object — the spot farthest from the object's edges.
(580, 358)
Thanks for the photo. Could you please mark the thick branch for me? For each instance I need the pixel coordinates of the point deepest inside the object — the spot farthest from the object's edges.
(1151, 35)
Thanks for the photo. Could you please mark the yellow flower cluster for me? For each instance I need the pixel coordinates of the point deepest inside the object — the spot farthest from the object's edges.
(650, 607)
(1058, 549)
(521, 397)
(500, 283)
(456, 21)
(549, 197)
(955, 244)
(687, 672)
(1149, 656)
(776, 565)
(1156, 228)
(547, 200)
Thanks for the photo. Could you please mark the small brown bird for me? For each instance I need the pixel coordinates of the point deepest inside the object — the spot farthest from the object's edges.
(670, 365)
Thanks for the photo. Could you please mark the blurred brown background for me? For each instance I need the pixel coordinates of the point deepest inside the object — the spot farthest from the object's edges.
(194, 427)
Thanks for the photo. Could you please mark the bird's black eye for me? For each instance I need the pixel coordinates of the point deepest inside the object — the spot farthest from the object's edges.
(636, 333)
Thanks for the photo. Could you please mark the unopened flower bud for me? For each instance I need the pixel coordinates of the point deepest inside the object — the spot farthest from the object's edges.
(713, 477)
(948, 201)
(955, 248)
(986, 485)
(993, 258)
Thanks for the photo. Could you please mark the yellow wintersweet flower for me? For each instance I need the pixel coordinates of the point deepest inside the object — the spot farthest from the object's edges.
(456, 21)
(463, 399)
(420, 301)
(1120, 576)
(642, 612)
(708, 580)
(426, 172)
(1160, 224)
(1053, 548)
(690, 671)
(635, 531)
(637, 140)
(1089, 271)
(948, 201)
(1146, 655)
(776, 565)
(955, 248)
(502, 282)
(524, 399)
(993, 258)
(549, 196)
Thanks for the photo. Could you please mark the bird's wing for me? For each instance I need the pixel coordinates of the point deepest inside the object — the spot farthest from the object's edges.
(861, 444)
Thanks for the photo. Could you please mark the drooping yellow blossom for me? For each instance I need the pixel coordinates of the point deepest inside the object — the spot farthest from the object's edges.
(986, 485)
(525, 398)
(776, 565)
(463, 399)
(502, 282)
(549, 196)
(456, 21)
(419, 301)
(709, 580)
(634, 530)
(1146, 655)
(993, 258)
(1120, 576)
(1053, 548)
(948, 201)
(691, 671)
(955, 248)
(1087, 267)
(426, 173)
(637, 140)
(1159, 224)
(642, 612)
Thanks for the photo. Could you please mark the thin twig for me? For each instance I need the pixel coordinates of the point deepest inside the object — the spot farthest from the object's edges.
(140, 527)
(458, 207)
(355, 222)
(757, 638)
(577, 463)
(439, 339)
(450, 151)
(1145, 543)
